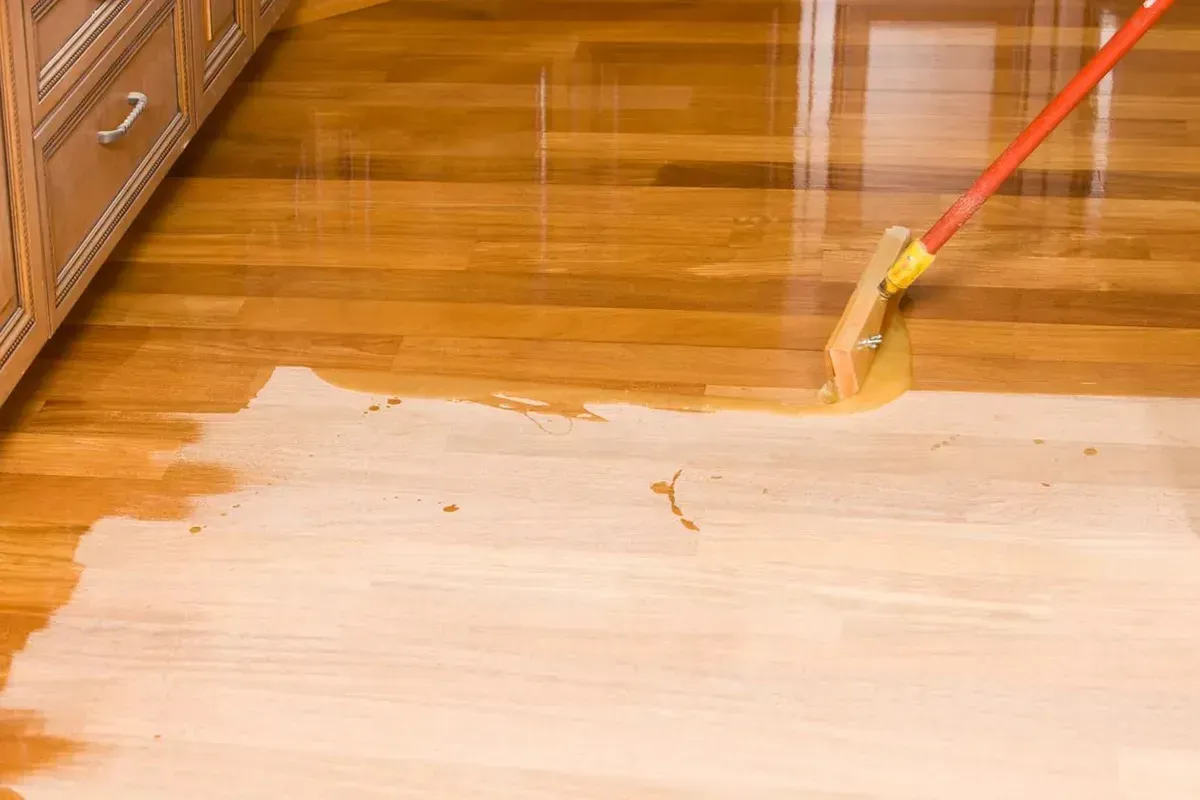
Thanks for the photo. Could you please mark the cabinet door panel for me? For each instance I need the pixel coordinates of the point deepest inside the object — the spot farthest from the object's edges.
(22, 293)
(219, 17)
(225, 42)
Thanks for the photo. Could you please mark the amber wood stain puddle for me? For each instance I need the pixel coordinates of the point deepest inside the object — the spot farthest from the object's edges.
(39, 535)
(668, 490)
(890, 377)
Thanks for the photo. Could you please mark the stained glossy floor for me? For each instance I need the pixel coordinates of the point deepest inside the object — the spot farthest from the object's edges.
(248, 546)
(680, 195)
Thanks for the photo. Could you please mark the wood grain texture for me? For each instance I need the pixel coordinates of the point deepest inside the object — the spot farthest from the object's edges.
(483, 256)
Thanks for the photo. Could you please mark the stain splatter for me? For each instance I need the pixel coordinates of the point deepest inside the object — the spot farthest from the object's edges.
(394, 401)
(945, 442)
(1039, 441)
(668, 489)
(372, 408)
(1091, 451)
(1046, 485)
(450, 509)
(195, 529)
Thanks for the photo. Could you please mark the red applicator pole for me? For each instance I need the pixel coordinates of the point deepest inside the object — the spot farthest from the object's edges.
(920, 254)
(1062, 105)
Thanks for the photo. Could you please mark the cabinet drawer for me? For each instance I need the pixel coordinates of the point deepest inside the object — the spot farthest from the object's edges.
(65, 36)
(95, 170)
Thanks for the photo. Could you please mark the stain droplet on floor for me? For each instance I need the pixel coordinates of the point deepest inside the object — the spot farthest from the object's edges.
(1039, 441)
(373, 408)
(1046, 485)
(195, 529)
(668, 489)
(1091, 451)
(394, 401)
(450, 509)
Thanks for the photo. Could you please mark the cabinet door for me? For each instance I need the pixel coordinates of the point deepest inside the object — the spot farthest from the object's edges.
(23, 327)
(224, 41)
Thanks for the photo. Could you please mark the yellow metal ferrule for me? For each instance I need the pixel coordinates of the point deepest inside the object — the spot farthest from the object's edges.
(908, 267)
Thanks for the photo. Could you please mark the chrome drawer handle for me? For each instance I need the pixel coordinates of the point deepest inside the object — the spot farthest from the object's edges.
(138, 101)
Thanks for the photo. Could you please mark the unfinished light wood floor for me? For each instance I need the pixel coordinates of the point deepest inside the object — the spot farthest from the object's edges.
(249, 548)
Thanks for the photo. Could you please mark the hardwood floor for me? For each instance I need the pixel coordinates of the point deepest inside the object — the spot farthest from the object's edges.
(363, 469)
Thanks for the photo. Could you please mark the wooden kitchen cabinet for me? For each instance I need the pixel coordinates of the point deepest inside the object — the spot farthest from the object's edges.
(97, 100)
(24, 319)
(223, 42)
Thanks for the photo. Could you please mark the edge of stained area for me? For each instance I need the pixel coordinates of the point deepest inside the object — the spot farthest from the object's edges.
(46, 510)
(889, 378)
(39, 536)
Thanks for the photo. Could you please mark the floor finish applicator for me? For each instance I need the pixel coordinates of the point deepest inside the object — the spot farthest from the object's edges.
(898, 262)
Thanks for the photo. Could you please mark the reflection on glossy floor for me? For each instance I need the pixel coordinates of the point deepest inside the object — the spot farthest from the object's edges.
(247, 547)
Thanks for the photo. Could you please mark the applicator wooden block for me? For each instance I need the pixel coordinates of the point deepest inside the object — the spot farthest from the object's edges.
(850, 353)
